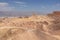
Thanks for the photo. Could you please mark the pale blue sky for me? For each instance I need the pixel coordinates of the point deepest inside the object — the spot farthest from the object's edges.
(30, 5)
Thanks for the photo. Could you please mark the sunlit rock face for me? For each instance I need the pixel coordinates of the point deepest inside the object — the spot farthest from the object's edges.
(37, 27)
(55, 13)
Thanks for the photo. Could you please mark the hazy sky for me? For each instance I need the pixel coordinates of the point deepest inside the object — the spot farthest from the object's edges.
(30, 5)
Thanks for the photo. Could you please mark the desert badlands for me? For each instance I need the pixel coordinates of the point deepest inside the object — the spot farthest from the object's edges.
(36, 27)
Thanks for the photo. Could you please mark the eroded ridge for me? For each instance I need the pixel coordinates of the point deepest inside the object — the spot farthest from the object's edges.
(38, 27)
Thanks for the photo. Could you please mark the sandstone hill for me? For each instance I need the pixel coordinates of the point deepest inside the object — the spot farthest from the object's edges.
(36, 27)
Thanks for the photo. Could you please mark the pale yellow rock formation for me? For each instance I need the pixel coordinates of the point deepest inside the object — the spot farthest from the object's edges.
(39, 27)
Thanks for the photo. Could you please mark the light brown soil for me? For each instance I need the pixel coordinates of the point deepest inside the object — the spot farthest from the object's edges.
(32, 28)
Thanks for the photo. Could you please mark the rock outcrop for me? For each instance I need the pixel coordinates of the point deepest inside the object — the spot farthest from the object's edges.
(39, 27)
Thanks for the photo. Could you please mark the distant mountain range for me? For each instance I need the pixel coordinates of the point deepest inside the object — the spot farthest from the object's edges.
(16, 13)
